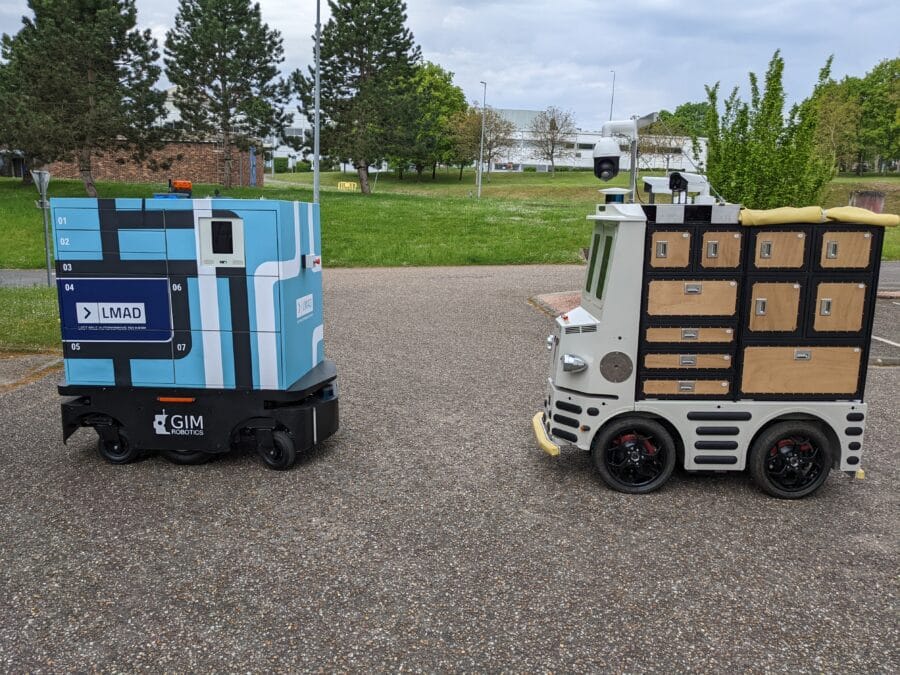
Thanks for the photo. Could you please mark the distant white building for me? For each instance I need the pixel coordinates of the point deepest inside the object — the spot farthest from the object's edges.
(674, 153)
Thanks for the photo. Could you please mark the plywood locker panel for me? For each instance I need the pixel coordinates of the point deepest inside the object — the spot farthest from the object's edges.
(705, 334)
(800, 370)
(692, 298)
(692, 361)
(845, 250)
(839, 307)
(721, 250)
(676, 387)
(780, 250)
(774, 307)
(670, 249)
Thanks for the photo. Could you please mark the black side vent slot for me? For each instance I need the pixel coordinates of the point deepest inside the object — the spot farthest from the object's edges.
(716, 459)
(716, 445)
(718, 431)
(569, 407)
(568, 421)
(719, 416)
(560, 433)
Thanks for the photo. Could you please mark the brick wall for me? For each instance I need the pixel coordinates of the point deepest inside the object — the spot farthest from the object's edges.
(197, 162)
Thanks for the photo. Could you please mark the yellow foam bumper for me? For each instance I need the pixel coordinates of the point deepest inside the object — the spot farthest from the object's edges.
(548, 446)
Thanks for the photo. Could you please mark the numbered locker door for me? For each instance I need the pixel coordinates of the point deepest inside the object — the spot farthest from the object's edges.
(779, 249)
(801, 369)
(692, 361)
(840, 307)
(692, 298)
(681, 334)
(721, 250)
(670, 387)
(670, 249)
(774, 307)
(845, 250)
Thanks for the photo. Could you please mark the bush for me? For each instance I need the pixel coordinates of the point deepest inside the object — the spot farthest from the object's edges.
(281, 165)
(303, 166)
(530, 169)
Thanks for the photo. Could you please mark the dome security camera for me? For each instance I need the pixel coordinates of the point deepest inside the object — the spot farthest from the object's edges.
(606, 159)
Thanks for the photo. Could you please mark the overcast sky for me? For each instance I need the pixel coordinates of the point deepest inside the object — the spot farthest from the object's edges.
(537, 53)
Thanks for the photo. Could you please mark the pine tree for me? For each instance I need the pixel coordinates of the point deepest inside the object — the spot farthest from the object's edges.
(78, 81)
(367, 59)
(223, 61)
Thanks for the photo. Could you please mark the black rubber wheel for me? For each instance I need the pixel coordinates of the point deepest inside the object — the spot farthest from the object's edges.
(634, 455)
(790, 460)
(186, 457)
(282, 454)
(121, 452)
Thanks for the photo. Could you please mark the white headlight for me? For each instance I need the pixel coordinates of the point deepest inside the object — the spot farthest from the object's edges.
(573, 364)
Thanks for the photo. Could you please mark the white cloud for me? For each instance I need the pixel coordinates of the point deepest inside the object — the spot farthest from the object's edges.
(535, 53)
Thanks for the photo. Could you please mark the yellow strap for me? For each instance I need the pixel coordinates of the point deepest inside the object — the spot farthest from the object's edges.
(854, 214)
(784, 215)
(814, 214)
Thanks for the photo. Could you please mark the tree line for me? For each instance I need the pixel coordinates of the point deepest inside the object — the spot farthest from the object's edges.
(763, 156)
(79, 79)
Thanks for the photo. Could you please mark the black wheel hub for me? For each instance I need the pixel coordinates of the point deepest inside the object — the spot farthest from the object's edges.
(635, 459)
(793, 463)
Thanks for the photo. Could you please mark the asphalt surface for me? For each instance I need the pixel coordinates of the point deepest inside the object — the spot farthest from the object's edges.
(430, 533)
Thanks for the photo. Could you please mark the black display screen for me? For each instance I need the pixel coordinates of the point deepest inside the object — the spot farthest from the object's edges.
(222, 239)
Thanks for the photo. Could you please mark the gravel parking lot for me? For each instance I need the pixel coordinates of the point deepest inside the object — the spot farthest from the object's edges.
(430, 533)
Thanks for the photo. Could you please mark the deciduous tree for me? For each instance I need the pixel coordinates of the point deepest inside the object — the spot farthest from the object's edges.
(437, 101)
(839, 117)
(498, 136)
(879, 100)
(465, 139)
(551, 130)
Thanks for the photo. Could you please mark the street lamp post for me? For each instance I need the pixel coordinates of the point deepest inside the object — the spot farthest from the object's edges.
(41, 182)
(612, 96)
(317, 99)
(481, 147)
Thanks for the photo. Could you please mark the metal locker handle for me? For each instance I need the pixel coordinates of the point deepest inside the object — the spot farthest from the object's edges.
(765, 249)
(825, 307)
(761, 306)
(802, 355)
(689, 333)
(687, 360)
(685, 386)
(662, 249)
(693, 289)
(712, 249)
(831, 250)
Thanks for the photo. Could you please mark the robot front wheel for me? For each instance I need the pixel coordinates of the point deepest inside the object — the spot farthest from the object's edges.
(113, 446)
(275, 447)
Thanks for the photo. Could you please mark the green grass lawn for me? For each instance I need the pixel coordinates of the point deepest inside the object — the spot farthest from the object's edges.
(28, 320)
(521, 218)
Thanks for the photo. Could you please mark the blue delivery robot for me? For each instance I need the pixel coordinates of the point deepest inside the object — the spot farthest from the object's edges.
(193, 326)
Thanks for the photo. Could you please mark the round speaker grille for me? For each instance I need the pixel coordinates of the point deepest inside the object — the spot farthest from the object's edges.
(616, 366)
